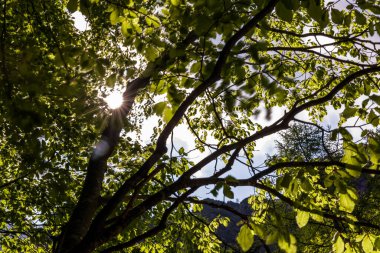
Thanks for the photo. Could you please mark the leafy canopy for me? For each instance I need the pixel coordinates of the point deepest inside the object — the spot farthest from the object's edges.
(78, 177)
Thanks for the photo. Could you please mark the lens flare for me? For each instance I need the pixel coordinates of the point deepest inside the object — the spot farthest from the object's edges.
(114, 100)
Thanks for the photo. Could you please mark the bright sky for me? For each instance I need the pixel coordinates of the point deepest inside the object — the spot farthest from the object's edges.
(80, 21)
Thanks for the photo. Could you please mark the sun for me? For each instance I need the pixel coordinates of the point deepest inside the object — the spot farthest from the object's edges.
(114, 100)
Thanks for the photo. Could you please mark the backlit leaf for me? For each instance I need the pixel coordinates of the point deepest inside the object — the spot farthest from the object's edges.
(114, 17)
(302, 218)
(339, 245)
(346, 203)
(175, 2)
(367, 244)
(245, 238)
(158, 108)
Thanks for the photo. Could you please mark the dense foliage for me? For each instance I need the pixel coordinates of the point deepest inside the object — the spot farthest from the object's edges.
(79, 177)
(309, 141)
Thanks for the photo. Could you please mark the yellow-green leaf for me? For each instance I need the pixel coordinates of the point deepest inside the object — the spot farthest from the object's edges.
(272, 237)
(125, 27)
(302, 218)
(175, 2)
(167, 114)
(151, 53)
(159, 108)
(114, 17)
(346, 203)
(367, 244)
(339, 245)
(287, 243)
(377, 243)
(245, 238)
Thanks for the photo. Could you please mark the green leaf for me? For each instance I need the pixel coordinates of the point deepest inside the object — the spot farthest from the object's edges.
(349, 112)
(151, 53)
(346, 203)
(284, 13)
(195, 67)
(315, 11)
(285, 181)
(245, 238)
(114, 17)
(175, 96)
(337, 16)
(339, 245)
(287, 242)
(100, 69)
(345, 134)
(168, 114)
(324, 19)
(136, 25)
(152, 20)
(159, 108)
(375, 98)
(316, 217)
(230, 179)
(377, 243)
(367, 244)
(334, 134)
(373, 118)
(175, 2)
(181, 151)
(126, 28)
(354, 155)
(377, 26)
(360, 18)
(272, 237)
(72, 6)
(302, 218)
(227, 191)
(291, 4)
(111, 80)
(173, 53)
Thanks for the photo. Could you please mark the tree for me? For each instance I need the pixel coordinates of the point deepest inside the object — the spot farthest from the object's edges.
(307, 142)
(76, 176)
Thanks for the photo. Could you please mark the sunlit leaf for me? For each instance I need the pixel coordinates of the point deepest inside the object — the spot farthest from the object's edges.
(339, 245)
(302, 218)
(114, 17)
(175, 2)
(158, 108)
(346, 203)
(367, 244)
(245, 238)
